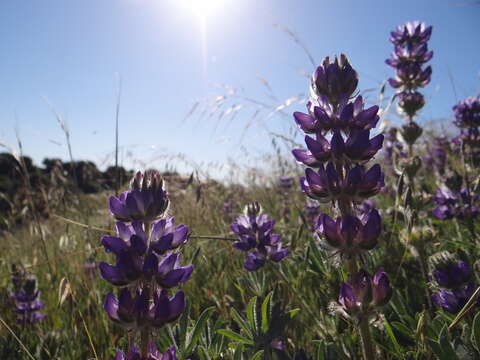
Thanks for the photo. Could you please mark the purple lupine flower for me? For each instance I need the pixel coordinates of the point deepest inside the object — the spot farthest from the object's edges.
(168, 273)
(467, 118)
(136, 260)
(349, 235)
(366, 206)
(147, 200)
(364, 293)
(153, 353)
(453, 301)
(134, 312)
(408, 58)
(452, 274)
(411, 34)
(147, 265)
(467, 113)
(451, 204)
(340, 151)
(277, 344)
(256, 237)
(335, 80)
(454, 282)
(468, 136)
(327, 184)
(166, 236)
(27, 301)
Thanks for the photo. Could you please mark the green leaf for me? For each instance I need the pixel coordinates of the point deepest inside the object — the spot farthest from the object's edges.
(241, 322)
(294, 312)
(198, 329)
(238, 352)
(476, 331)
(252, 313)
(266, 312)
(235, 337)
(403, 329)
(183, 327)
(393, 339)
(258, 355)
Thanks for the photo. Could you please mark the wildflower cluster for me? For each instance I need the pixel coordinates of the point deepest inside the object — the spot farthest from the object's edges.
(255, 232)
(26, 297)
(409, 55)
(147, 264)
(453, 280)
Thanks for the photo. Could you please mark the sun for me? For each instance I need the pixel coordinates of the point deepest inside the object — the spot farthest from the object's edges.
(204, 8)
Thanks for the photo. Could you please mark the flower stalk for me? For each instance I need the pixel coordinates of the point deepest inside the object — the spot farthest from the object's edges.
(147, 264)
(341, 150)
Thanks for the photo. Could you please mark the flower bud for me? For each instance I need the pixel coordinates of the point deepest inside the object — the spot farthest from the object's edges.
(411, 132)
(253, 209)
(335, 80)
(382, 292)
(146, 201)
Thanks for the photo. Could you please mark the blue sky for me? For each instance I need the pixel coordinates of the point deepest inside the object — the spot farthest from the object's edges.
(70, 53)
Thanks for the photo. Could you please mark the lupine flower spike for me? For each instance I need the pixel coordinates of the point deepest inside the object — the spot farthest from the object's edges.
(255, 233)
(409, 57)
(147, 263)
(338, 172)
(26, 297)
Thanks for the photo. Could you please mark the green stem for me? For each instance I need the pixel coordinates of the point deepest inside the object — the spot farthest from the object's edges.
(368, 348)
(352, 268)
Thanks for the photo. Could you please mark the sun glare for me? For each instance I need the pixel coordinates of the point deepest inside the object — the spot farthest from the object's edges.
(204, 8)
